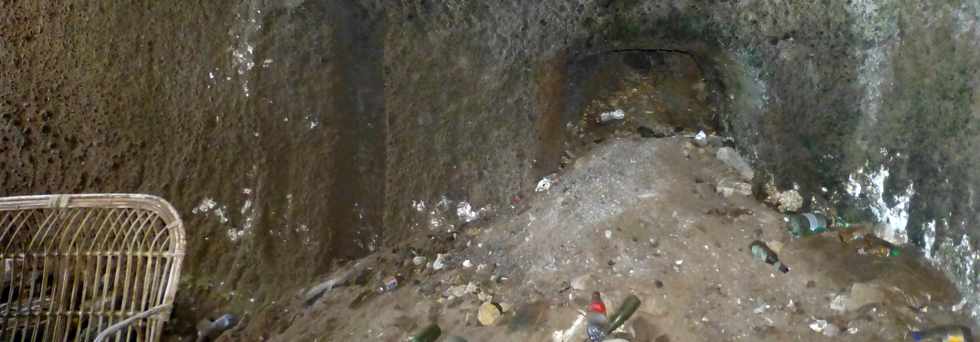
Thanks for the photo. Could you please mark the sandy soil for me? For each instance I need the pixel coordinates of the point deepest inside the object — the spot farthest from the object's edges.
(638, 216)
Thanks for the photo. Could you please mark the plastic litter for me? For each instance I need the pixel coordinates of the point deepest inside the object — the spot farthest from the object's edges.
(544, 184)
(209, 330)
(944, 333)
(876, 246)
(340, 280)
(390, 283)
(618, 114)
(701, 139)
(597, 324)
(802, 225)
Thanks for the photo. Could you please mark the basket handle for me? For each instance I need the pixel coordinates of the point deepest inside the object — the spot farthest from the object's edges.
(115, 328)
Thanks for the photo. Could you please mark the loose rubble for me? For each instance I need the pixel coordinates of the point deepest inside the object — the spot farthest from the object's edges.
(658, 230)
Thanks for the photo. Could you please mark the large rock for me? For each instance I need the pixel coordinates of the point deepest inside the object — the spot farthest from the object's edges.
(731, 158)
(789, 201)
(728, 187)
(863, 294)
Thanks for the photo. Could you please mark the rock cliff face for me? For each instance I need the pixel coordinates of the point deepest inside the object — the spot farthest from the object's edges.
(293, 133)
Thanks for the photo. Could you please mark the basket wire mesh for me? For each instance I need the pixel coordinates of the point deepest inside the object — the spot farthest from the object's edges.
(74, 265)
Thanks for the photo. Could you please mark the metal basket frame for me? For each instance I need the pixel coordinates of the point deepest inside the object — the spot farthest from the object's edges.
(88, 267)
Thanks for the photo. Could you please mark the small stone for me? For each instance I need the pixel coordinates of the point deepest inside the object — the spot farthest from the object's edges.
(456, 291)
(419, 260)
(608, 234)
(727, 188)
(467, 263)
(789, 201)
(831, 330)
(471, 288)
(775, 246)
(489, 314)
(791, 306)
(658, 284)
(582, 282)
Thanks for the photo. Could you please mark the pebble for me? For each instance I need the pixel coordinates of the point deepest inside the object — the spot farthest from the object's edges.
(775, 246)
(489, 314)
(582, 282)
(467, 263)
(831, 330)
(419, 260)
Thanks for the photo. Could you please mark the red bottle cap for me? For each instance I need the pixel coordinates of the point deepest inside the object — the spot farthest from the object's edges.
(597, 305)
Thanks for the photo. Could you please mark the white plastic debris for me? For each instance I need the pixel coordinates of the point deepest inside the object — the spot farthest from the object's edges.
(467, 263)
(206, 205)
(618, 114)
(608, 234)
(465, 212)
(701, 139)
(959, 306)
(839, 303)
(440, 262)
(544, 184)
(818, 325)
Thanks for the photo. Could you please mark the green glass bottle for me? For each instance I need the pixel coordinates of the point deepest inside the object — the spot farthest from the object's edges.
(429, 334)
(802, 225)
(623, 313)
(762, 252)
